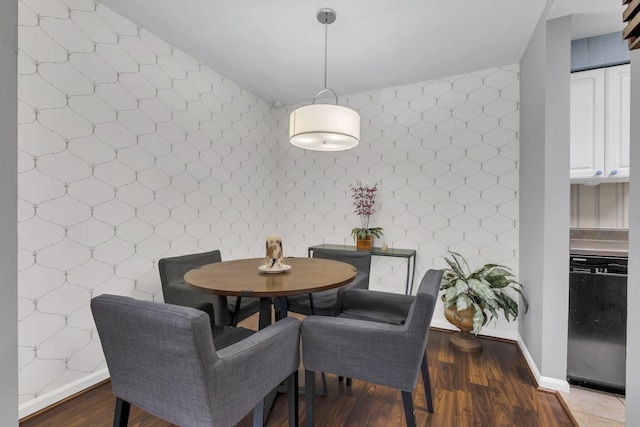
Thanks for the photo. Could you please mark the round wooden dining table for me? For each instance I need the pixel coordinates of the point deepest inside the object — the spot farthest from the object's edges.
(243, 278)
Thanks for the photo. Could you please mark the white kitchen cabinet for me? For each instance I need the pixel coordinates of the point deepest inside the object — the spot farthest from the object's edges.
(600, 106)
(587, 124)
(618, 124)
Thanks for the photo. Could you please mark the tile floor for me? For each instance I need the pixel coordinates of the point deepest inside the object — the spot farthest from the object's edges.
(592, 408)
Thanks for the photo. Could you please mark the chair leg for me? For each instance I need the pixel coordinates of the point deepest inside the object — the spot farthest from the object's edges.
(121, 416)
(409, 413)
(426, 380)
(309, 395)
(292, 396)
(258, 414)
(325, 391)
(349, 381)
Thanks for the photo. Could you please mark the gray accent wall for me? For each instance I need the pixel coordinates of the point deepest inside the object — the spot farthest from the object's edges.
(557, 197)
(544, 201)
(633, 290)
(8, 216)
(532, 125)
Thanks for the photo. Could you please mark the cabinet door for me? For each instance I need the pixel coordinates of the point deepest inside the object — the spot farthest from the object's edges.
(618, 122)
(587, 124)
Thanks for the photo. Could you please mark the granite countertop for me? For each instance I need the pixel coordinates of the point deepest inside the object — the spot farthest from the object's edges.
(599, 241)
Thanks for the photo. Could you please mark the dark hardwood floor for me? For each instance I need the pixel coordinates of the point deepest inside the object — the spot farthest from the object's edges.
(493, 388)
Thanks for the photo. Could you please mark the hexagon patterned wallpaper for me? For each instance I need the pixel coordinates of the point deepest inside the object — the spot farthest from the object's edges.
(130, 151)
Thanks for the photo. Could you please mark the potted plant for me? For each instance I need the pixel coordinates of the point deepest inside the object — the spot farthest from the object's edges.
(469, 295)
(364, 198)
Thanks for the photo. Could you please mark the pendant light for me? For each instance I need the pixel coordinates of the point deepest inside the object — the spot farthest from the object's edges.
(324, 127)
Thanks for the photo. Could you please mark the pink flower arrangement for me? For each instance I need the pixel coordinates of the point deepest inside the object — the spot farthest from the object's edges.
(364, 198)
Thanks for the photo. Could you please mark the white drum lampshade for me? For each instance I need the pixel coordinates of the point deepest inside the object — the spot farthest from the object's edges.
(324, 127)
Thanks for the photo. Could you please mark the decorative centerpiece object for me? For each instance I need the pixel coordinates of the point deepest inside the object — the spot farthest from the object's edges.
(274, 253)
(469, 294)
(364, 198)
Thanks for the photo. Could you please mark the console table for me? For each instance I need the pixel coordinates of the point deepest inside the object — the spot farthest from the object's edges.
(408, 254)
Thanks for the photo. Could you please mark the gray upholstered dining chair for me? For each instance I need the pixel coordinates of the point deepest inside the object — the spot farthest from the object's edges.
(378, 337)
(325, 303)
(162, 358)
(176, 291)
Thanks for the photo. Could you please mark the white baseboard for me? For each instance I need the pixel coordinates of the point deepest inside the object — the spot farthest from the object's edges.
(48, 399)
(543, 382)
(554, 384)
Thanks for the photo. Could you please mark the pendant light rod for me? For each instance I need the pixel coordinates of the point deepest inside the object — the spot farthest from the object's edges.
(326, 16)
(326, 31)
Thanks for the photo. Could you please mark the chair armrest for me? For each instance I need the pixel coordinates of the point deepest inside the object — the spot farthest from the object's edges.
(361, 303)
(377, 352)
(265, 359)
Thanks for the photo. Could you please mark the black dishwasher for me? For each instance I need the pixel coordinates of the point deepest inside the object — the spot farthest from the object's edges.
(596, 354)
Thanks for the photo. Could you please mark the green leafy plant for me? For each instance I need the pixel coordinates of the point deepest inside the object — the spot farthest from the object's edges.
(364, 198)
(362, 233)
(486, 288)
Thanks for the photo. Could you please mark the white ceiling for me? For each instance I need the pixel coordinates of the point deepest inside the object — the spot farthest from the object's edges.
(275, 49)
